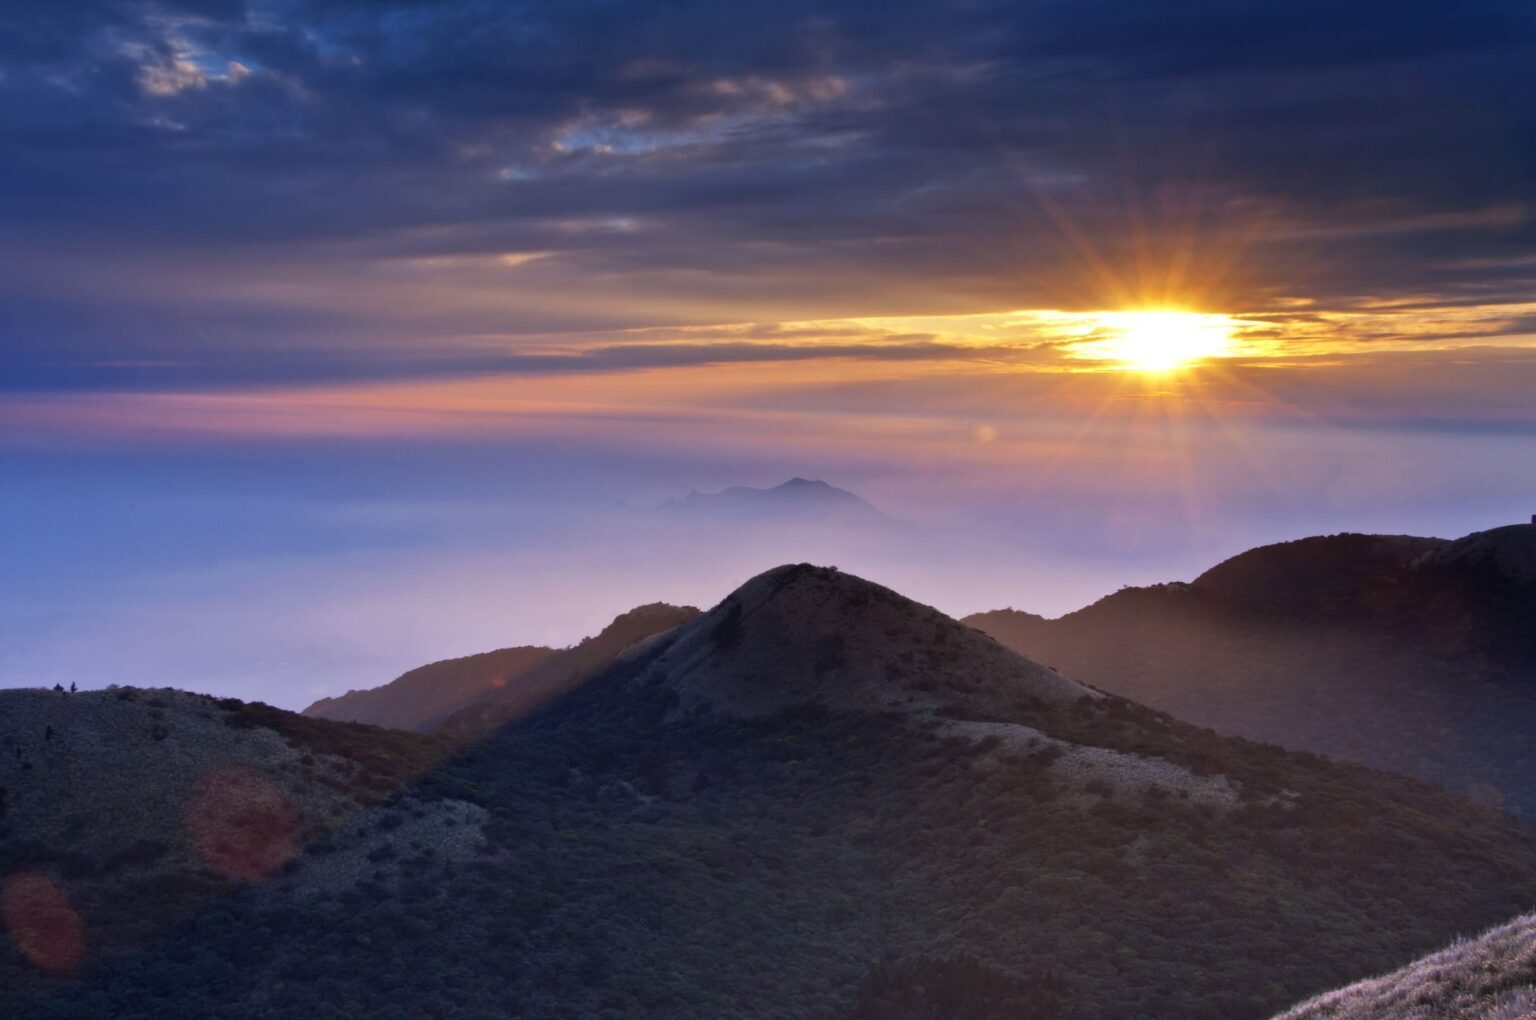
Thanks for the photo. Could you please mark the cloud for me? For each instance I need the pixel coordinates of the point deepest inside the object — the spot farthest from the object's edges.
(350, 179)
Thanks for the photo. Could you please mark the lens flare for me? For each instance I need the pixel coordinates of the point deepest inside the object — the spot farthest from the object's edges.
(42, 921)
(242, 825)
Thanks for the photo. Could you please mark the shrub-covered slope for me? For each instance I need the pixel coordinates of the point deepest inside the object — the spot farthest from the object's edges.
(123, 810)
(821, 800)
(1415, 655)
(1492, 977)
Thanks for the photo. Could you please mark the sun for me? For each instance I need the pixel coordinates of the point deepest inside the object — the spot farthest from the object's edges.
(1160, 340)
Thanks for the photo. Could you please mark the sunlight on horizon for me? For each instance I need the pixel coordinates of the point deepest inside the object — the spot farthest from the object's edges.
(1157, 341)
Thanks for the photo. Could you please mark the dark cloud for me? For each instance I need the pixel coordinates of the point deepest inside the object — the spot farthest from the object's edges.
(161, 366)
(169, 170)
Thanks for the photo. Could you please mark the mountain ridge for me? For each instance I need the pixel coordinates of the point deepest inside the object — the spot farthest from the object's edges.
(421, 698)
(563, 671)
(665, 839)
(472, 694)
(1420, 649)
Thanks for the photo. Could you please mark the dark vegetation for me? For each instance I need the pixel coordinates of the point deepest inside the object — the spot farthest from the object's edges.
(839, 866)
(128, 855)
(1350, 646)
(960, 988)
(385, 759)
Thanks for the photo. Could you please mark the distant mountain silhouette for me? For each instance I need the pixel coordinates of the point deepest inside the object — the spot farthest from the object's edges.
(1411, 654)
(796, 498)
(468, 696)
(823, 800)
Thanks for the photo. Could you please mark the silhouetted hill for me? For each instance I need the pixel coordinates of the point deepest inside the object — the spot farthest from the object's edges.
(564, 670)
(822, 800)
(1492, 977)
(1312, 575)
(469, 696)
(1507, 554)
(1411, 654)
(123, 810)
(422, 698)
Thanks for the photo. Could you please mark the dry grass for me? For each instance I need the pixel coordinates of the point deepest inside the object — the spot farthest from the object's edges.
(1492, 977)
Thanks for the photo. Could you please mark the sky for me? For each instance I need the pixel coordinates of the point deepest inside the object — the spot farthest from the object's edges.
(339, 337)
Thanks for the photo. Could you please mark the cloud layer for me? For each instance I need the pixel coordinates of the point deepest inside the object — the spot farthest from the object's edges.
(226, 191)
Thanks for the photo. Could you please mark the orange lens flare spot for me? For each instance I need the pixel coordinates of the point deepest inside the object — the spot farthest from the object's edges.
(242, 825)
(43, 923)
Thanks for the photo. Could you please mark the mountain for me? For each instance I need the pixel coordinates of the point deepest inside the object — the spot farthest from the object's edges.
(122, 811)
(1411, 654)
(1507, 554)
(565, 670)
(470, 695)
(1492, 977)
(422, 698)
(795, 499)
(822, 801)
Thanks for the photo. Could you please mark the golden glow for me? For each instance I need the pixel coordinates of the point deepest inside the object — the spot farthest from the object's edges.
(1160, 340)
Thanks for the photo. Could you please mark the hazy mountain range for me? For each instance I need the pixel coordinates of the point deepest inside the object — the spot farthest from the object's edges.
(817, 800)
(1411, 654)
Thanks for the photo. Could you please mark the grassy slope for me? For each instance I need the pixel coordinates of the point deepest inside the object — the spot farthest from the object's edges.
(1492, 977)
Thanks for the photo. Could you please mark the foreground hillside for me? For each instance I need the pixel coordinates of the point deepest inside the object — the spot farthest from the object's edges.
(820, 800)
(1411, 654)
(470, 696)
(1488, 978)
(124, 810)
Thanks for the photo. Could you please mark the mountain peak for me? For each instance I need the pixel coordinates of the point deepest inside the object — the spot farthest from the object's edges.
(799, 496)
(802, 634)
